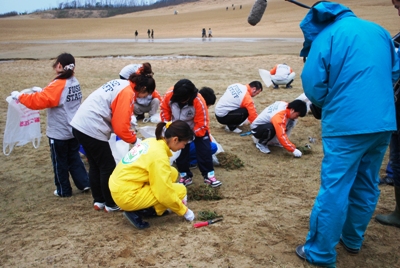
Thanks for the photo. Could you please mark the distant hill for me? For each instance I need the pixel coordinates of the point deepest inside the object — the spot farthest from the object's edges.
(98, 11)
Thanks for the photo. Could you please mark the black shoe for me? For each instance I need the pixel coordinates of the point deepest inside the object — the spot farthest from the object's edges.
(386, 180)
(139, 117)
(300, 252)
(289, 86)
(150, 213)
(276, 87)
(136, 220)
(353, 251)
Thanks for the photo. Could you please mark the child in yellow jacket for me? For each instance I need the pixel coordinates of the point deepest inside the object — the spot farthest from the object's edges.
(144, 178)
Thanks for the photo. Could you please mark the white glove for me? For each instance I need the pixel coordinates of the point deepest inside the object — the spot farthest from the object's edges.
(138, 141)
(15, 95)
(297, 153)
(37, 89)
(189, 215)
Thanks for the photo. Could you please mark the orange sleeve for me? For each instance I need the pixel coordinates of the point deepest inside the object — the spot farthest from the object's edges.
(122, 109)
(291, 71)
(248, 103)
(273, 70)
(279, 122)
(156, 95)
(165, 108)
(49, 97)
(201, 119)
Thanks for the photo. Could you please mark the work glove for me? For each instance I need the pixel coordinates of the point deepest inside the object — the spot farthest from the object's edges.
(189, 215)
(37, 89)
(138, 140)
(15, 95)
(297, 153)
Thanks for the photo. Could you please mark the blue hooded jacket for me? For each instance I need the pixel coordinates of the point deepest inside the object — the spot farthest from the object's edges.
(350, 70)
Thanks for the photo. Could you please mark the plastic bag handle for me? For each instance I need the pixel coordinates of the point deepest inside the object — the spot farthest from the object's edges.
(36, 142)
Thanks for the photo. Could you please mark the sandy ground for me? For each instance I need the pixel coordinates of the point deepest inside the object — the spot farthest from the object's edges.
(266, 203)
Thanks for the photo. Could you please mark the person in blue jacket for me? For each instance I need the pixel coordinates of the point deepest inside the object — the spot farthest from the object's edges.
(349, 71)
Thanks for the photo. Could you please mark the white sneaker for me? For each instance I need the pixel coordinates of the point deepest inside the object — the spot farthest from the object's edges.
(111, 209)
(263, 148)
(236, 130)
(99, 206)
(211, 180)
(255, 140)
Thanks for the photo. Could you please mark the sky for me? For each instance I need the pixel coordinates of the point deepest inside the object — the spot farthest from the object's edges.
(28, 5)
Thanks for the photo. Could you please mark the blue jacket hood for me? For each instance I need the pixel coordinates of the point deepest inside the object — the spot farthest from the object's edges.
(320, 16)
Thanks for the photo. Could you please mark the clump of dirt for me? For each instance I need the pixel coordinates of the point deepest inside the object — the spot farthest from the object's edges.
(229, 161)
(203, 192)
(205, 215)
(306, 149)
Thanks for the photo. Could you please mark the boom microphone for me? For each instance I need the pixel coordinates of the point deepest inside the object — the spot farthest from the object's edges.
(257, 11)
(299, 4)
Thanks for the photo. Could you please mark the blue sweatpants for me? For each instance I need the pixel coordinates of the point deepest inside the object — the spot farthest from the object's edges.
(348, 194)
(193, 155)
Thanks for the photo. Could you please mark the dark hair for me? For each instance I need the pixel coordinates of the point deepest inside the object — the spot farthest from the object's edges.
(257, 85)
(65, 59)
(298, 106)
(208, 95)
(177, 128)
(143, 79)
(184, 90)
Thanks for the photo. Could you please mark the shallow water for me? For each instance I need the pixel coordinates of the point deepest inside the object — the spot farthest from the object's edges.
(167, 40)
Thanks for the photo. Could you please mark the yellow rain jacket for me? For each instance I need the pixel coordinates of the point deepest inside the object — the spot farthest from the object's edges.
(145, 178)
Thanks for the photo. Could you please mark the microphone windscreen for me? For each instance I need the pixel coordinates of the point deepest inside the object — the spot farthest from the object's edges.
(257, 12)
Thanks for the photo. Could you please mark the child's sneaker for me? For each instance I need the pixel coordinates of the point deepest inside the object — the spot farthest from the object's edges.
(211, 180)
(236, 130)
(263, 148)
(185, 179)
(112, 209)
(99, 206)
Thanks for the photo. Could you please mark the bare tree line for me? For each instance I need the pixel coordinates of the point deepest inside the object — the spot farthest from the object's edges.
(101, 4)
(116, 6)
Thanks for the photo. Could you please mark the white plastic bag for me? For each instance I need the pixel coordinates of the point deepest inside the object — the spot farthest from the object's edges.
(219, 146)
(119, 148)
(22, 126)
(147, 131)
(155, 118)
(265, 76)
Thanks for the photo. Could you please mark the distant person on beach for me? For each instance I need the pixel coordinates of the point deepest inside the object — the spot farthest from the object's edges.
(282, 74)
(62, 98)
(145, 180)
(203, 33)
(236, 105)
(148, 33)
(278, 120)
(209, 32)
(136, 34)
(148, 104)
(152, 33)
